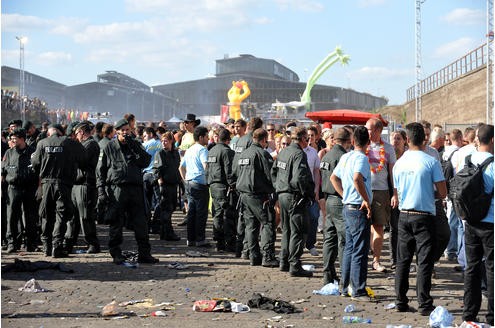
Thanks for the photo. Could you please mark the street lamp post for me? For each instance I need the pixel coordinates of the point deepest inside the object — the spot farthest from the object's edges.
(22, 40)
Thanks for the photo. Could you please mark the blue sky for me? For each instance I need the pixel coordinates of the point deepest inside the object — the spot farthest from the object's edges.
(166, 41)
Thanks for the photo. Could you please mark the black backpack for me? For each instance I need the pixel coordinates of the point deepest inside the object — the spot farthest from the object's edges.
(448, 169)
(467, 192)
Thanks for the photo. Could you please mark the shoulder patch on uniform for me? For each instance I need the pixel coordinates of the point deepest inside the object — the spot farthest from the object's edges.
(243, 161)
(212, 159)
(324, 165)
(239, 149)
(282, 165)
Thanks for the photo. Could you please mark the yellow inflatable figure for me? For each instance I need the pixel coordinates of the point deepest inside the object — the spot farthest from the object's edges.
(236, 98)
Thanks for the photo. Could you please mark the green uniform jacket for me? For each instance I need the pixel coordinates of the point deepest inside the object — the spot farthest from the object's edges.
(166, 166)
(121, 164)
(88, 175)
(253, 171)
(15, 167)
(219, 169)
(242, 144)
(58, 158)
(327, 165)
(291, 172)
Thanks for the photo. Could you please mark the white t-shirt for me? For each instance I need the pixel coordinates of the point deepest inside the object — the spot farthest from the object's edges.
(313, 160)
(379, 180)
(459, 157)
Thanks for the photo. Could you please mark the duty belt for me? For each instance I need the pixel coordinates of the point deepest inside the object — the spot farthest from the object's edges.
(414, 212)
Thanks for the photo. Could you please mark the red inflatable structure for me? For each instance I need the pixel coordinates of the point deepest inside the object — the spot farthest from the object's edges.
(344, 116)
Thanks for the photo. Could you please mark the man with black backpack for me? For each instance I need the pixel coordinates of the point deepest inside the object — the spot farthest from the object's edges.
(478, 236)
(455, 224)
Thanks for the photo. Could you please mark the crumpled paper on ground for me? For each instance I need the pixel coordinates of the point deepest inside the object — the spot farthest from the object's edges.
(32, 286)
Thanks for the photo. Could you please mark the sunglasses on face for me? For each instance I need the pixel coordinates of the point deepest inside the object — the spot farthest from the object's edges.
(269, 130)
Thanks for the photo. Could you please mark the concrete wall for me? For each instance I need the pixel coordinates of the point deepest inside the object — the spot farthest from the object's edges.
(460, 101)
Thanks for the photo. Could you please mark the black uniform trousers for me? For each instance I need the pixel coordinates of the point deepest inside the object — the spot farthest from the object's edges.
(294, 227)
(333, 237)
(55, 209)
(128, 199)
(255, 217)
(224, 223)
(442, 230)
(478, 243)
(168, 203)
(84, 198)
(416, 235)
(242, 248)
(21, 200)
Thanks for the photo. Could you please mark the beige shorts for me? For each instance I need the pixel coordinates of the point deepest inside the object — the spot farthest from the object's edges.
(380, 207)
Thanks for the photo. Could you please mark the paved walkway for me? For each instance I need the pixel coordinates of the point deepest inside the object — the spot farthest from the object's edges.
(76, 299)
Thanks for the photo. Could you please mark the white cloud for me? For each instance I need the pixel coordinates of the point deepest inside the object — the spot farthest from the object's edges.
(62, 26)
(53, 57)
(263, 20)
(371, 3)
(68, 26)
(454, 49)
(10, 55)
(116, 32)
(300, 5)
(16, 22)
(377, 72)
(465, 16)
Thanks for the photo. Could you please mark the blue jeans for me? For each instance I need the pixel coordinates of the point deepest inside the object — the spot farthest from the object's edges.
(456, 231)
(314, 214)
(357, 244)
(197, 214)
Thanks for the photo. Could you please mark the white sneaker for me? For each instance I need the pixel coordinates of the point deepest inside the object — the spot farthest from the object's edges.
(313, 252)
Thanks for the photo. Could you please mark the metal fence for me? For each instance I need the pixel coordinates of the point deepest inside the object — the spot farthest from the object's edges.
(472, 61)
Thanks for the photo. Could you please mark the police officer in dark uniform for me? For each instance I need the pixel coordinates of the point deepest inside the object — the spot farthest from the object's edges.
(120, 184)
(32, 134)
(166, 172)
(108, 132)
(295, 189)
(22, 184)
(242, 144)
(334, 233)
(255, 186)
(222, 185)
(57, 159)
(84, 193)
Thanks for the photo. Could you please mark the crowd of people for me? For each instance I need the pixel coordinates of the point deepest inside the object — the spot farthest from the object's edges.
(36, 109)
(350, 183)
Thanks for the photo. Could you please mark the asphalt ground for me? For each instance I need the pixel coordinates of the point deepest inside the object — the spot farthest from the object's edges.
(77, 299)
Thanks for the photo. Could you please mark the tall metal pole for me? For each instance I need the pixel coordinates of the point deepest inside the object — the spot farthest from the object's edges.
(418, 59)
(22, 90)
(489, 62)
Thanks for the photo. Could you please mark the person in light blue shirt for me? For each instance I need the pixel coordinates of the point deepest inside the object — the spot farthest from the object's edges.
(151, 191)
(352, 180)
(478, 238)
(415, 174)
(193, 171)
(350, 164)
(414, 180)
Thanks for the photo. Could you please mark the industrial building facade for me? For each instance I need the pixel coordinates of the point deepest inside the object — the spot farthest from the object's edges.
(117, 93)
(269, 81)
